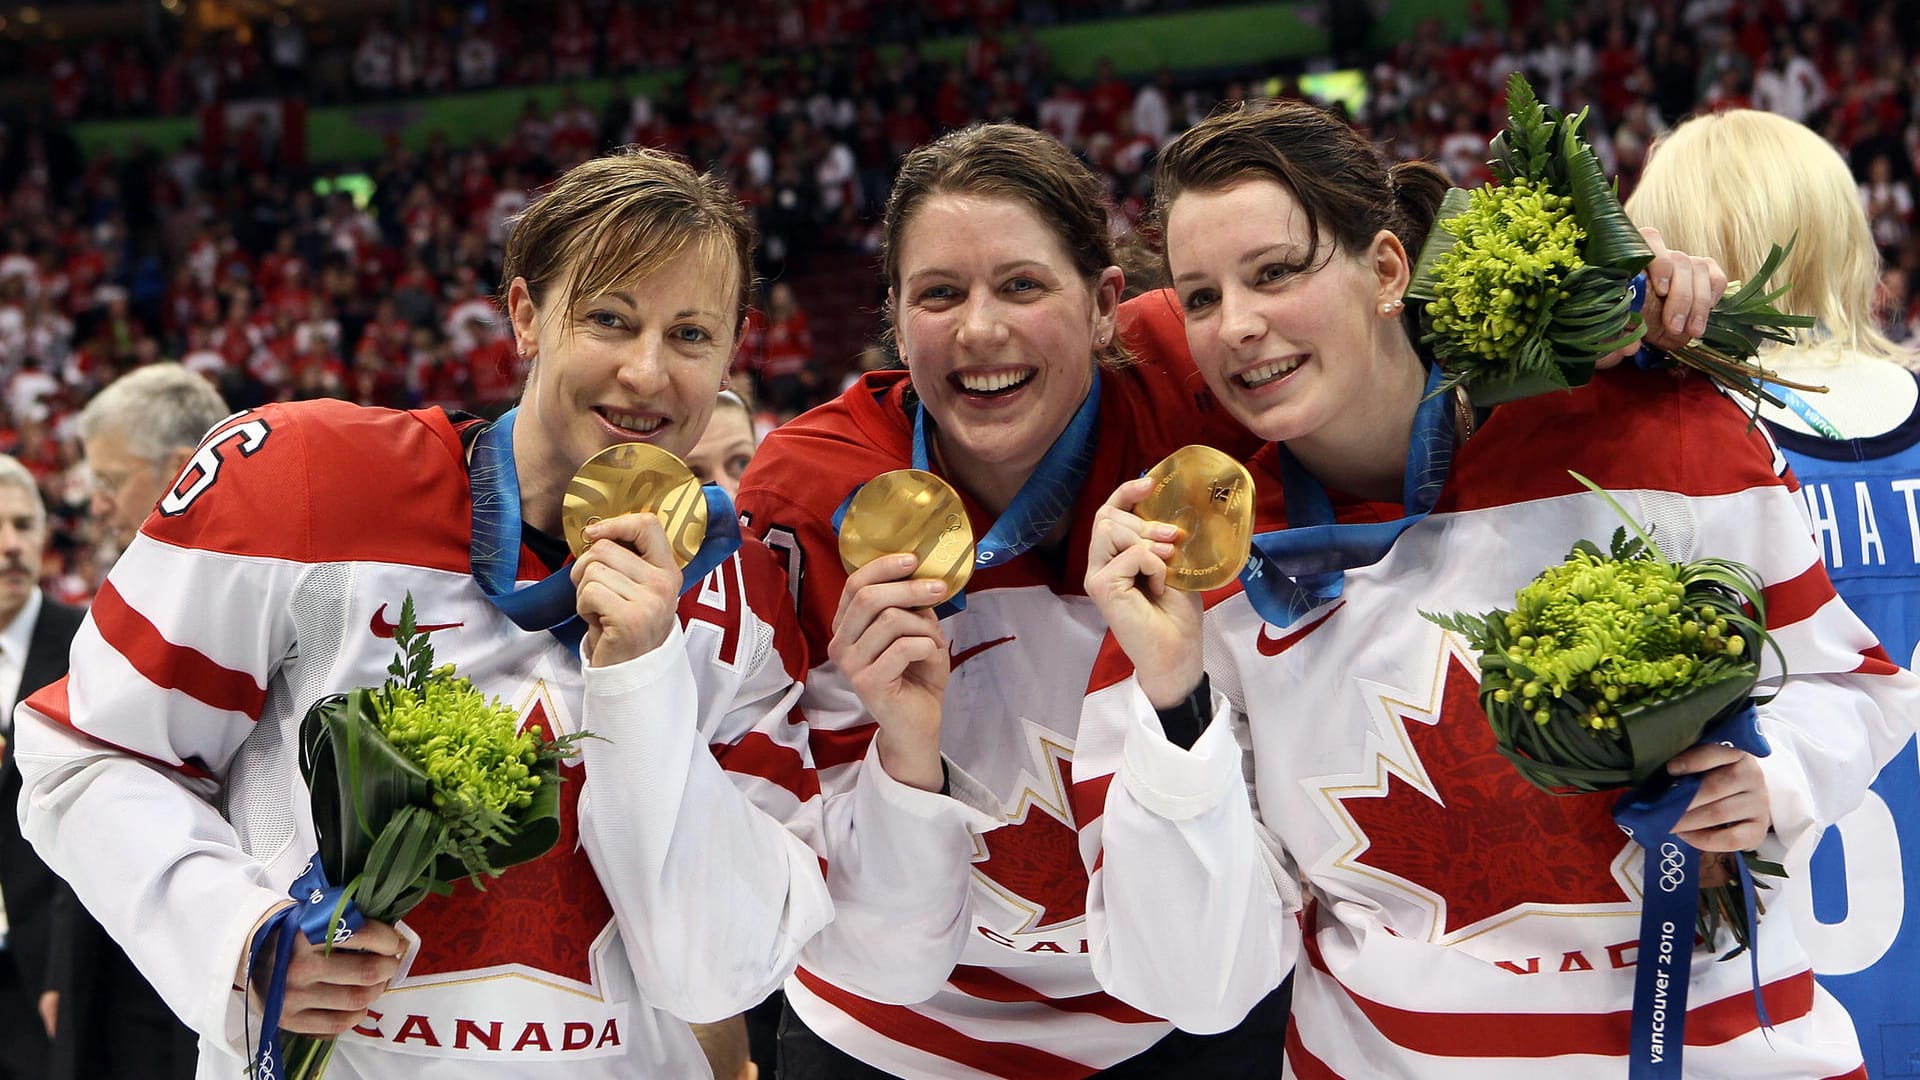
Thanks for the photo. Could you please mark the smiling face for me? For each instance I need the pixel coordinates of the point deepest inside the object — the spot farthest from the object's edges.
(1292, 350)
(998, 330)
(639, 363)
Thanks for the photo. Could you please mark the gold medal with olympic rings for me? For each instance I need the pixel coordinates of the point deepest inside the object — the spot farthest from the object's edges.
(910, 511)
(636, 478)
(1209, 497)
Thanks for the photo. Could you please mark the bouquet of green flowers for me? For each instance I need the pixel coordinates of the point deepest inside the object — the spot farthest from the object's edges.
(415, 784)
(1611, 663)
(1528, 282)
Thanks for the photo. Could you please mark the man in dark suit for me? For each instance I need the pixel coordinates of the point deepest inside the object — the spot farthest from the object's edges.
(34, 635)
(107, 1021)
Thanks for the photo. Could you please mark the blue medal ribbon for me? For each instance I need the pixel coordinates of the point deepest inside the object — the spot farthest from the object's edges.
(1293, 570)
(495, 548)
(316, 902)
(1671, 883)
(1039, 505)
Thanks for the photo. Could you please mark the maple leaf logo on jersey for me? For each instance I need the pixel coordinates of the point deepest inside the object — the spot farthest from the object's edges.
(1033, 862)
(1462, 828)
(544, 914)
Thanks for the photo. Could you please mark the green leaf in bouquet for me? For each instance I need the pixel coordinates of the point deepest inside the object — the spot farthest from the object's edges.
(1659, 730)
(1422, 285)
(1489, 390)
(351, 797)
(399, 868)
(1612, 240)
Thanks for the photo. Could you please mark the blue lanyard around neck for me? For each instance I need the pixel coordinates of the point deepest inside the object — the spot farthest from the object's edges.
(495, 548)
(1293, 570)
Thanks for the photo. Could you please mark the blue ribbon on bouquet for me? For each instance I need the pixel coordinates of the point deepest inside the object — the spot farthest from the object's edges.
(1293, 570)
(1671, 884)
(316, 902)
(1649, 357)
(1045, 497)
(495, 548)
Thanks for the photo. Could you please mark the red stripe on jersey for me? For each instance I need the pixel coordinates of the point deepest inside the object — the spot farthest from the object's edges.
(756, 754)
(1875, 661)
(1089, 798)
(170, 666)
(1305, 1066)
(1111, 666)
(1011, 1061)
(832, 749)
(1857, 1074)
(51, 702)
(990, 985)
(1789, 602)
(1526, 1035)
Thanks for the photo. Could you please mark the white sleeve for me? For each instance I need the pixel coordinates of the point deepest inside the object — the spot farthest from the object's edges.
(900, 865)
(169, 675)
(714, 893)
(1190, 910)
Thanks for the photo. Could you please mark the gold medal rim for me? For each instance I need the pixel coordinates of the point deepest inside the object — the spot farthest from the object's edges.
(869, 502)
(606, 467)
(1181, 576)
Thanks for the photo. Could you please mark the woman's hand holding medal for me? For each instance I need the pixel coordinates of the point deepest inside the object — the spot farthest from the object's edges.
(1181, 529)
(908, 546)
(634, 516)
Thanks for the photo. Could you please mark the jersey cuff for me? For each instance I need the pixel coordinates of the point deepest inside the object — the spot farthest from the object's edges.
(1172, 782)
(959, 803)
(642, 671)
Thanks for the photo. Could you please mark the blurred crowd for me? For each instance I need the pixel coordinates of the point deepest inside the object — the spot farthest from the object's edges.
(252, 267)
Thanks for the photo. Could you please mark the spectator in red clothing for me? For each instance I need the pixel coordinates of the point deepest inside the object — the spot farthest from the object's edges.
(494, 370)
(1108, 99)
(787, 377)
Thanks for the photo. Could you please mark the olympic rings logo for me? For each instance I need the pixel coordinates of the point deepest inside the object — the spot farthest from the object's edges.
(1673, 866)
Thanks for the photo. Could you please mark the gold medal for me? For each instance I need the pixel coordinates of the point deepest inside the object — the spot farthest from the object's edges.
(908, 511)
(1210, 497)
(636, 478)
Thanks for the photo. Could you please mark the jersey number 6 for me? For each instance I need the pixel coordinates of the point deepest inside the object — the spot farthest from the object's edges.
(204, 468)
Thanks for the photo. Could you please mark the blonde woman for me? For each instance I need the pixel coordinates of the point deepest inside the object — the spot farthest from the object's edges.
(1731, 185)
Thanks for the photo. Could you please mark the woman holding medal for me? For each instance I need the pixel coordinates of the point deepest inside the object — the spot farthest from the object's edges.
(162, 781)
(1005, 304)
(1440, 916)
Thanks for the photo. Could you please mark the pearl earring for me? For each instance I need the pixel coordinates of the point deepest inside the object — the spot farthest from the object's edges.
(1391, 307)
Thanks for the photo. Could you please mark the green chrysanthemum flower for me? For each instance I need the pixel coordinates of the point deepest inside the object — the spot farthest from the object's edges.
(1517, 244)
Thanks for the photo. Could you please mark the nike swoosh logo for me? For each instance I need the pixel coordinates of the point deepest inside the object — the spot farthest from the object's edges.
(955, 659)
(1275, 646)
(383, 629)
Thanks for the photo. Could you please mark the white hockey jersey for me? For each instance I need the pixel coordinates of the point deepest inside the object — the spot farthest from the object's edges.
(162, 776)
(1460, 923)
(1012, 984)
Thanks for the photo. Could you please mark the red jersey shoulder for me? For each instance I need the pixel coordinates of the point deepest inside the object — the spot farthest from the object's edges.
(1628, 428)
(813, 462)
(323, 481)
(1166, 401)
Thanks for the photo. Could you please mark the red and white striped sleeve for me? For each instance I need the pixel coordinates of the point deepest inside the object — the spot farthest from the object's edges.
(170, 672)
(1191, 915)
